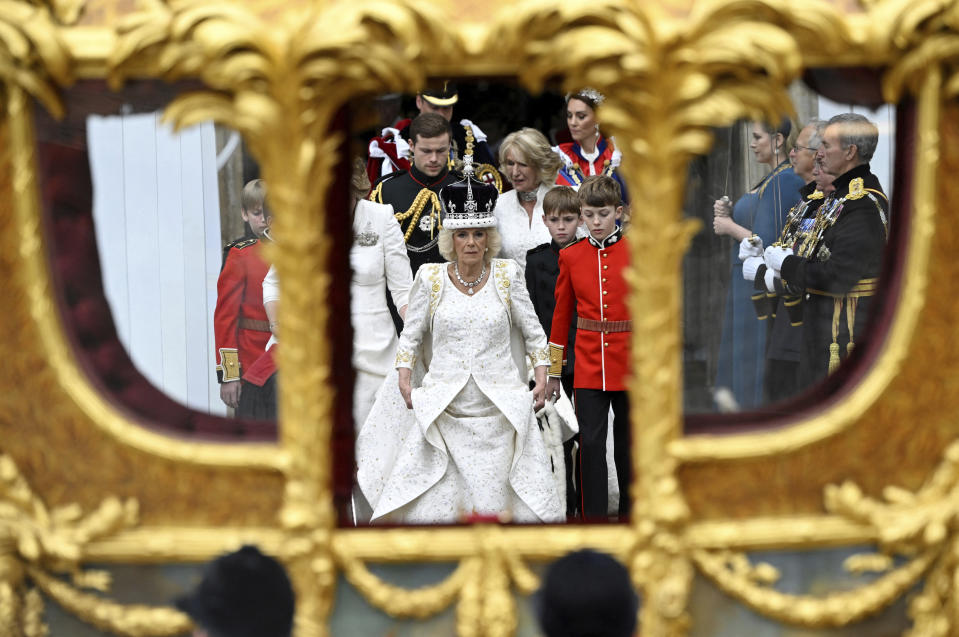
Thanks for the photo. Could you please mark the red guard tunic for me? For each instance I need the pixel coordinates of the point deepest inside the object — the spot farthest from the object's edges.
(240, 326)
(591, 282)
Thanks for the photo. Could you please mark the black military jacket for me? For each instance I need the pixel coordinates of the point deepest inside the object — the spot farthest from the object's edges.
(849, 251)
(400, 190)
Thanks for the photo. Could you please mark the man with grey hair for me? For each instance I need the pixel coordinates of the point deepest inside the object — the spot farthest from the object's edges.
(835, 269)
(803, 153)
(770, 298)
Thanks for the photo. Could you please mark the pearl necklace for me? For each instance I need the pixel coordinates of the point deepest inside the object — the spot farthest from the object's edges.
(469, 285)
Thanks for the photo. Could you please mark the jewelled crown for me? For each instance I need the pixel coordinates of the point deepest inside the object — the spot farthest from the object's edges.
(468, 203)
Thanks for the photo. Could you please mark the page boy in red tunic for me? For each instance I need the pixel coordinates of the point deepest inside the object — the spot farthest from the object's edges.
(591, 283)
(240, 326)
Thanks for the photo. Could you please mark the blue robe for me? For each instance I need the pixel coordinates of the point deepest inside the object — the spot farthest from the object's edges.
(742, 350)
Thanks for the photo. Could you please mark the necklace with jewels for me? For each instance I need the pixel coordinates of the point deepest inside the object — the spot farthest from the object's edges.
(526, 195)
(469, 285)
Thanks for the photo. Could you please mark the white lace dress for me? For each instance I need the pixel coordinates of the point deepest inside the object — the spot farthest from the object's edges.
(471, 445)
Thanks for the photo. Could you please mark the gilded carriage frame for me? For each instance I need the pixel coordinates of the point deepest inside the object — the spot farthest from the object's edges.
(671, 69)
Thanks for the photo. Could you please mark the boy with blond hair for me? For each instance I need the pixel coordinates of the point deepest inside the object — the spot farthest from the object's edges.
(240, 326)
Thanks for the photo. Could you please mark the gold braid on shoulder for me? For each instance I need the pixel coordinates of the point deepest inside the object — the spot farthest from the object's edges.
(377, 194)
(416, 210)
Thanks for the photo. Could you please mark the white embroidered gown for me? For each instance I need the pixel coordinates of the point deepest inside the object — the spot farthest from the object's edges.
(471, 445)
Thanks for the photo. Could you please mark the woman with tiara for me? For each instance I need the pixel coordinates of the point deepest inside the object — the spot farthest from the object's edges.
(453, 436)
(589, 153)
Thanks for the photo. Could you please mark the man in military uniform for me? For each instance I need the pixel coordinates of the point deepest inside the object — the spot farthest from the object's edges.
(781, 306)
(414, 193)
(240, 325)
(837, 265)
(389, 152)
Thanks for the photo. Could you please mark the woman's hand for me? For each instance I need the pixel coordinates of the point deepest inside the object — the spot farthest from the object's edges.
(539, 387)
(406, 385)
(723, 224)
(722, 208)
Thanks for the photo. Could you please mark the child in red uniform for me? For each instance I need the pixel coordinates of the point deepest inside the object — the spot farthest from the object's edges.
(240, 326)
(591, 283)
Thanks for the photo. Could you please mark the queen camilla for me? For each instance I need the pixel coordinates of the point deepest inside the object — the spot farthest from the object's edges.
(453, 435)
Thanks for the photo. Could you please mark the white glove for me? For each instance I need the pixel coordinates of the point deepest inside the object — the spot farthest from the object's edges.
(775, 256)
(748, 249)
(750, 266)
(770, 278)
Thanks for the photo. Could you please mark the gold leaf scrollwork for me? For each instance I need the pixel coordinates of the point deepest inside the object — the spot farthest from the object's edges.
(925, 32)
(402, 602)
(837, 609)
(66, 11)
(480, 585)
(925, 523)
(33, 55)
(36, 544)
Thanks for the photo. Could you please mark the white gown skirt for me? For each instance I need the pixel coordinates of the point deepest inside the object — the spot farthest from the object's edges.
(480, 442)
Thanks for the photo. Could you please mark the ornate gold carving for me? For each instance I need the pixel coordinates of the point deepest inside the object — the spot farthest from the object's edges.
(672, 71)
(66, 11)
(921, 523)
(32, 53)
(836, 609)
(36, 542)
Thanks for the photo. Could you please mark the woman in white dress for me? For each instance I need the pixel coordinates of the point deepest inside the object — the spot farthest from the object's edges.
(379, 261)
(455, 438)
(530, 164)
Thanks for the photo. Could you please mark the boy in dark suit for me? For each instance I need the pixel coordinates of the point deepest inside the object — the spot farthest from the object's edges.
(561, 216)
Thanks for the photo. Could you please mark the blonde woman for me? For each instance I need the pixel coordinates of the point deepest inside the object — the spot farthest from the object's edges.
(531, 166)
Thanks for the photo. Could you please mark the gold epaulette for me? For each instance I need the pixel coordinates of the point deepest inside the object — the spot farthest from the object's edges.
(857, 189)
(246, 243)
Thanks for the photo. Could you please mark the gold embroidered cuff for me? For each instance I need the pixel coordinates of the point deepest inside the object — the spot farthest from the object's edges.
(229, 365)
(405, 358)
(539, 357)
(555, 361)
